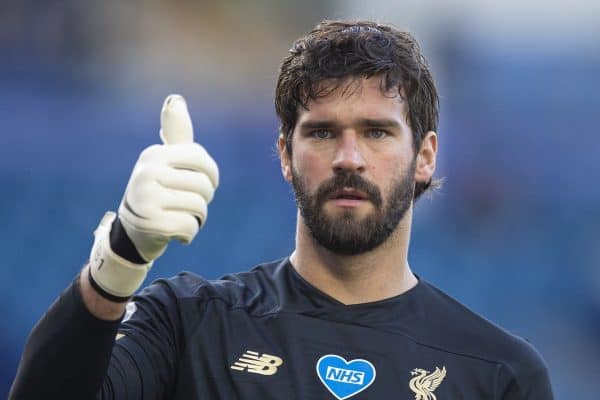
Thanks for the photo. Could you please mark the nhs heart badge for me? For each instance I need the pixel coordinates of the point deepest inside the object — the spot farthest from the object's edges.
(344, 378)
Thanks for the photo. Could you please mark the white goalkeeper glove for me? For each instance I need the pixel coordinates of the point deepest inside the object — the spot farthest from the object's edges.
(166, 198)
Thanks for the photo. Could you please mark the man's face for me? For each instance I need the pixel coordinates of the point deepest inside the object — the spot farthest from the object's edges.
(352, 167)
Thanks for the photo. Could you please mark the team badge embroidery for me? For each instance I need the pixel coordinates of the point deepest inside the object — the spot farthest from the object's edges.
(344, 378)
(424, 383)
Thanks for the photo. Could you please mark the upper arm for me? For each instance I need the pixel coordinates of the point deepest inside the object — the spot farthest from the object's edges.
(528, 381)
(145, 355)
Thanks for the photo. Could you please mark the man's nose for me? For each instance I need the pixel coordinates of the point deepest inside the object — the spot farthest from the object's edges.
(348, 156)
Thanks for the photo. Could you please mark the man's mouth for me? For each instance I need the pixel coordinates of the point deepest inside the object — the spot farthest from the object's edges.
(348, 197)
(348, 193)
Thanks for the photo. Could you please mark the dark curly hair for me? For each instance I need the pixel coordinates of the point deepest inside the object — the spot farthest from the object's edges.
(336, 51)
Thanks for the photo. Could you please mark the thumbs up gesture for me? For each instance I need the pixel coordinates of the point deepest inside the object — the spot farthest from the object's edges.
(170, 187)
(166, 198)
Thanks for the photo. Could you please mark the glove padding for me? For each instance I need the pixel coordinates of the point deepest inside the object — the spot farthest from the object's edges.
(166, 198)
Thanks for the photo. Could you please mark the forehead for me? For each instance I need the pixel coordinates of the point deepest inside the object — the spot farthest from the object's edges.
(356, 99)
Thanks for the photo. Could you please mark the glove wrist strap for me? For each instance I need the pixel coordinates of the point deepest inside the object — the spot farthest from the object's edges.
(110, 274)
(105, 294)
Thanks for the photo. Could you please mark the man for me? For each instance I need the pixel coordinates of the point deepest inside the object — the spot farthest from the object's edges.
(342, 317)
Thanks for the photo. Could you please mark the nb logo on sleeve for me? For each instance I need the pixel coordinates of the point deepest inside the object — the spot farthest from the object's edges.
(254, 363)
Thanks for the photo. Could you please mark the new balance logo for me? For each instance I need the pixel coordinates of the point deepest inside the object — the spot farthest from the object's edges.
(251, 361)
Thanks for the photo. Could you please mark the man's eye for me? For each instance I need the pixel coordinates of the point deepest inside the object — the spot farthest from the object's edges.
(322, 134)
(376, 134)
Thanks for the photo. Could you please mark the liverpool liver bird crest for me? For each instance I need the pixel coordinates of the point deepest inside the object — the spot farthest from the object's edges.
(424, 383)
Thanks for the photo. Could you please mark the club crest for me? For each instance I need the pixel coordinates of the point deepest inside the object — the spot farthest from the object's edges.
(424, 383)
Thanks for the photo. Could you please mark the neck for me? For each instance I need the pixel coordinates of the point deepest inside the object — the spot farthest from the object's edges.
(351, 279)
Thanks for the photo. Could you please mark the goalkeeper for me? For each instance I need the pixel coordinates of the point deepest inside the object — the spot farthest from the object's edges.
(342, 317)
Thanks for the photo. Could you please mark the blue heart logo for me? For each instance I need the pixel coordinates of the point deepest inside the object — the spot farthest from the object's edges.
(342, 378)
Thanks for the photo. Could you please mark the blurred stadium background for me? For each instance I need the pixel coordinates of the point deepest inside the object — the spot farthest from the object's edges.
(514, 233)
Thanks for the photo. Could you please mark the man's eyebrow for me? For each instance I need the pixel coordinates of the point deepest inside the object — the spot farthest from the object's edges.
(319, 124)
(363, 122)
(378, 122)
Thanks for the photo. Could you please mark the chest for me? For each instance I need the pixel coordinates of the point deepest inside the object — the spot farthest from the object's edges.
(232, 355)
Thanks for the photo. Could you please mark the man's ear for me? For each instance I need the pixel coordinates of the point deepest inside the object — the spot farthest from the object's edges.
(284, 158)
(426, 157)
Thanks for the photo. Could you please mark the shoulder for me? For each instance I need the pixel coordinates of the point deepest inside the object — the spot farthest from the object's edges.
(458, 329)
(252, 289)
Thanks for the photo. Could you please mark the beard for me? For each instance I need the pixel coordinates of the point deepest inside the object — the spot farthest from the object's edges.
(347, 233)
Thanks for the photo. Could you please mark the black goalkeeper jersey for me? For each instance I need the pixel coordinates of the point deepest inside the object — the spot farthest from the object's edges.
(268, 334)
